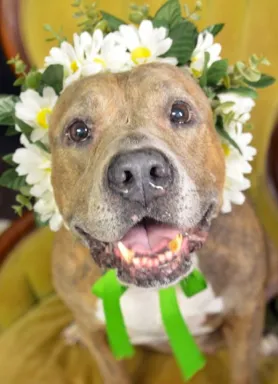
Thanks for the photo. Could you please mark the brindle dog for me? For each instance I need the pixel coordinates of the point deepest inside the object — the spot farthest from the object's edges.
(137, 164)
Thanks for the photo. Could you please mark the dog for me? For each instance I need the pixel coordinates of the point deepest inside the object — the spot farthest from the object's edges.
(137, 163)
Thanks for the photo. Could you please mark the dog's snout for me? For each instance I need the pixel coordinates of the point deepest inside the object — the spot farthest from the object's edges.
(141, 175)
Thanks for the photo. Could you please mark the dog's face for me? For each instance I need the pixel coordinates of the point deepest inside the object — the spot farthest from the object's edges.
(138, 170)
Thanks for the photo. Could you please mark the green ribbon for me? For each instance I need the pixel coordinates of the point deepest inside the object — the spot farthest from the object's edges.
(187, 353)
(110, 291)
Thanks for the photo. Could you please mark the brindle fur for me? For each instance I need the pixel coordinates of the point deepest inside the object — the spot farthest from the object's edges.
(125, 111)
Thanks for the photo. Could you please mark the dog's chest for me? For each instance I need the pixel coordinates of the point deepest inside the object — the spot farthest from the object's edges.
(142, 316)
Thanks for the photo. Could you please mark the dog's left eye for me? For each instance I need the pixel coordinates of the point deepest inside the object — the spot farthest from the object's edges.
(78, 132)
(180, 113)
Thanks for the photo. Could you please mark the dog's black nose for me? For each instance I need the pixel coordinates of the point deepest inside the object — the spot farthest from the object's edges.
(141, 175)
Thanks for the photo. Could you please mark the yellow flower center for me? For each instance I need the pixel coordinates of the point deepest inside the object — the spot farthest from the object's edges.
(99, 60)
(226, 149)
(43, 116)
(140, 54)
(74, 66)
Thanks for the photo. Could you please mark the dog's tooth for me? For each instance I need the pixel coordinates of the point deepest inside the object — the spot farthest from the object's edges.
(150, 263)
(168, 255)
(155, 262)
(126, 253)
(136, 261)
(162, 258)
(175, 244)
(144, 261)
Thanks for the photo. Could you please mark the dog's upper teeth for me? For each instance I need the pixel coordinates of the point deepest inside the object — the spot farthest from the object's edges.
(175, 244)
(126, 253)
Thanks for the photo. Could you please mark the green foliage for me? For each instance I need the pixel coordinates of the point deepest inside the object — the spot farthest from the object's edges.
(265, 81)
(56, 36)
(9, 159)
(113, 22)
(19, 65)
(193, 15)
(53, 77)
(32, 79)
(219, 125)
(216, 72)
(24, 128)
(7, 109)
(138, 13)
(244, 91)
(169, 14)
(10, 179)
(203, 78)
(215, 29)
(184, 36)
(11, 131)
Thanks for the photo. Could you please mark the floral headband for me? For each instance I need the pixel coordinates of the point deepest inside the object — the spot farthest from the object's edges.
(107, 44)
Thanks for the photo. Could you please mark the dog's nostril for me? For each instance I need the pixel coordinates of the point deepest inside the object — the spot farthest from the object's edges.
(158, 172)
(127, 177)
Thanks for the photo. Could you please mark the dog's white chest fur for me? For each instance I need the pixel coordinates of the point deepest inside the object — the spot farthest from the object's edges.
(142, 316)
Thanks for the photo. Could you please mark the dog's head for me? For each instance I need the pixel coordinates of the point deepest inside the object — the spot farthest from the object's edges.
(138, 170)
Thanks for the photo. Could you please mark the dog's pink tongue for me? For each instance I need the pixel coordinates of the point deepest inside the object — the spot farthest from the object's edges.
(150, 239)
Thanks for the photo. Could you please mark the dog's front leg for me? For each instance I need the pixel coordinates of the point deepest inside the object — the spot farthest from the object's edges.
(111, 370)
(243, 335)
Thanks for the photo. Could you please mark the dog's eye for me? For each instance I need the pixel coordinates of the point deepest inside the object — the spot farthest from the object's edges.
(180, 113)
(78, 132)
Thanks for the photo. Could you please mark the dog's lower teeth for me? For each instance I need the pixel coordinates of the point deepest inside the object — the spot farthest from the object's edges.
(162, 258)
(168, 255)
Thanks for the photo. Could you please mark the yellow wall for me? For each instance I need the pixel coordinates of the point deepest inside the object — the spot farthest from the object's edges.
(251, 27)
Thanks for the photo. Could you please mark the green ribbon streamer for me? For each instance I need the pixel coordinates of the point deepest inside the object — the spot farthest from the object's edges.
(110, 291)
(193, 284)
(187, 353)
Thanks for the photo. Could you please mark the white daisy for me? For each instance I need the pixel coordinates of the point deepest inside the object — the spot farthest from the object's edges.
(48, 211)
(35, 164)
(146, 44)
(73, 57)
(35, 111)
(110, 55)
(205, 44)
(242, 105)
(237, 164)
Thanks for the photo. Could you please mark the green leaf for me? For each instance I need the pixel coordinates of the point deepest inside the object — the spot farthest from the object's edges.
(244, 91)
(250, 74)
(203, 78)
(113, 21)
(38, 221)
(9, 159)
(17, 209)
(19, 81)
(53, 77)
(11, 131)
(10, 179)
(219, 126)
(33, 80)
(217, 71)
(25, 128)
(265, 81)
(215, 29)
(24, 201)
(161, 23)
(184, 36)
(7, 109)
(170, 12)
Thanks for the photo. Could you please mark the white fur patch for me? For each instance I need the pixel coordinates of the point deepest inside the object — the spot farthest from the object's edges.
(141, 312)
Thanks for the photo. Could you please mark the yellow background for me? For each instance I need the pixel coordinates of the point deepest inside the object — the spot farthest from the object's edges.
(251, 27)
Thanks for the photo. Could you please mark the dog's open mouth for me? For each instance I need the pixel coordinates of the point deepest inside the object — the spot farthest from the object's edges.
(156, 254)
(150, 254)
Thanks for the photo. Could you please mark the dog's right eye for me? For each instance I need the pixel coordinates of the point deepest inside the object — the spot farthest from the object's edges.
(78, 132)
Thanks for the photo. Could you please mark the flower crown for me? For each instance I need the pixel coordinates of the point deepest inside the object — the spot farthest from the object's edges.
(107, 44)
